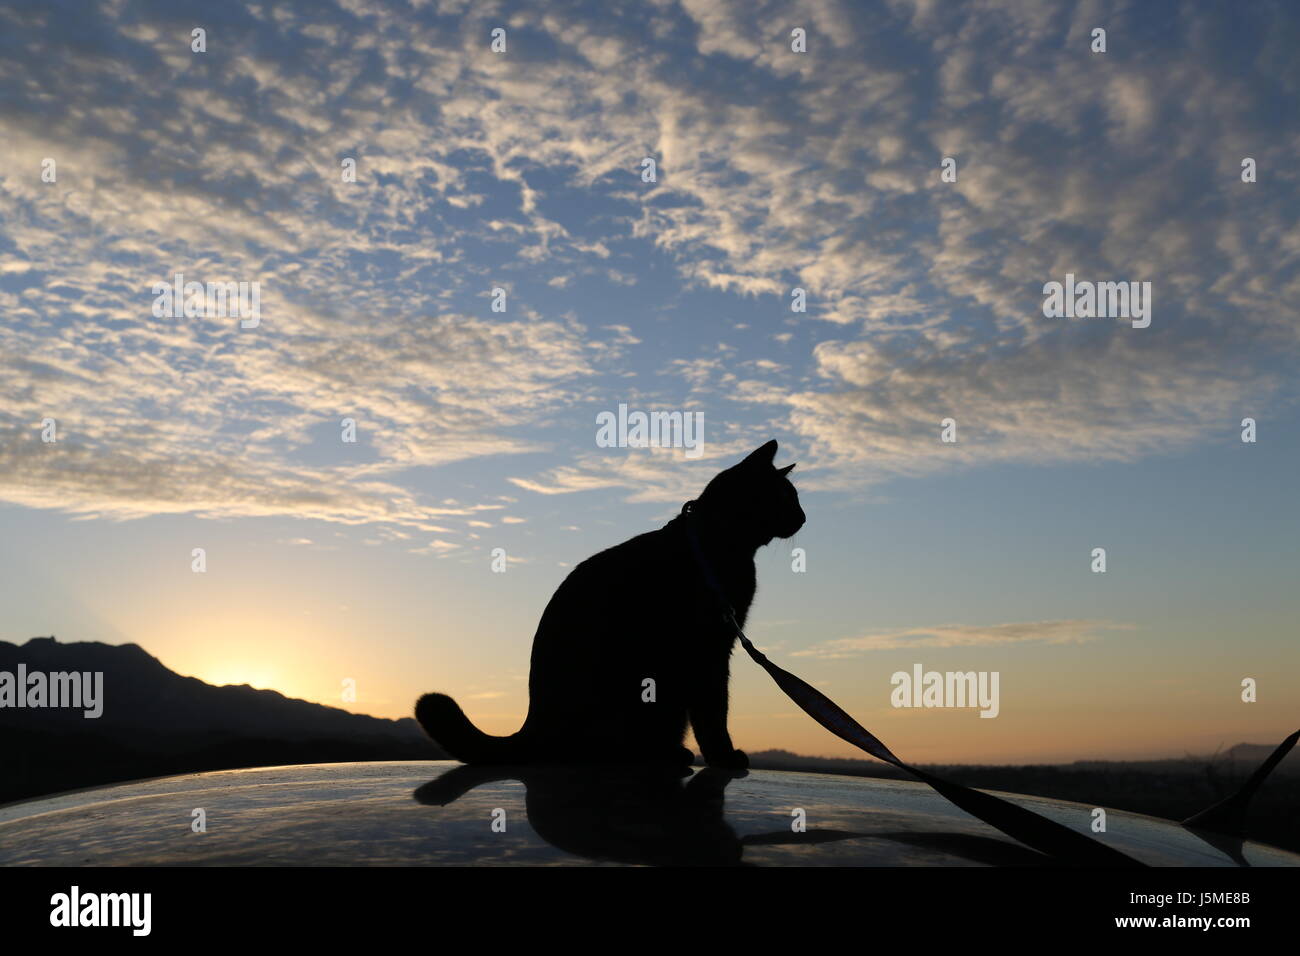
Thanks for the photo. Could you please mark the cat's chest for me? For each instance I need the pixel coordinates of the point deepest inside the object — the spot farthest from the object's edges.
(737, 581)
(739, 584)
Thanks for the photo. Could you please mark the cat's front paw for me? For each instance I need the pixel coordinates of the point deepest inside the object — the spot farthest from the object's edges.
(736, 760)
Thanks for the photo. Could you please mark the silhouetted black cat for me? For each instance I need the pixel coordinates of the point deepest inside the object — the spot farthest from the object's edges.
(636, 612)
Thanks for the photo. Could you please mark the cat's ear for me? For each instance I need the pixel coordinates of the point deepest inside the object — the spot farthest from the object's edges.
(786, 470)
(762, 455)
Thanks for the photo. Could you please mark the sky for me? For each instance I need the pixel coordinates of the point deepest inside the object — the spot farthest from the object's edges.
(523, 169)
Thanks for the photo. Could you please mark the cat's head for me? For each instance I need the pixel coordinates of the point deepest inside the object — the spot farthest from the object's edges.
(754, 499)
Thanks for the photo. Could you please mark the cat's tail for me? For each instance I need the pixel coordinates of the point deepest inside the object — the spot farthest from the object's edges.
(444, 721)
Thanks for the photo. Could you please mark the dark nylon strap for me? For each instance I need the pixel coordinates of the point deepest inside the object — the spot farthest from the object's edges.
(1046, 836)
(1031, 829)
(1229, 816)
(1028, 827)
(1040, 833)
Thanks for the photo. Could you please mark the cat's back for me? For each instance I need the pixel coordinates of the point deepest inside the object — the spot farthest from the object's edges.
(634, 563)
(639, 583)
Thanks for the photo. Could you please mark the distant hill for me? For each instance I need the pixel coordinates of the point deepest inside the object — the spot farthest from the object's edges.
(156, 722)
(1236, 759)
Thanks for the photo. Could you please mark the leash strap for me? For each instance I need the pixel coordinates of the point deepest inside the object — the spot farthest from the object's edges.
(1040, 833)
(1036, 831)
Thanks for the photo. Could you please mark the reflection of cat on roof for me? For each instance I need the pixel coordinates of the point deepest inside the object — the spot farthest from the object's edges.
(639, 814)
(635, 613)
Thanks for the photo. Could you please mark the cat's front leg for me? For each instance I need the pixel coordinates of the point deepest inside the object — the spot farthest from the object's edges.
(707, 705)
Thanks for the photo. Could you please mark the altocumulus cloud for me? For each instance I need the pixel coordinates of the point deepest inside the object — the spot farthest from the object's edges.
(965, 635)
(777, 170)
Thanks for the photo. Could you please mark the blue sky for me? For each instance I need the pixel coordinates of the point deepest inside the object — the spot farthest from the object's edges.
(476, 429)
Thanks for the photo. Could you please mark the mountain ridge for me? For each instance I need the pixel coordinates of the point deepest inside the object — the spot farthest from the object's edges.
(156, 722)
(131, 665)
